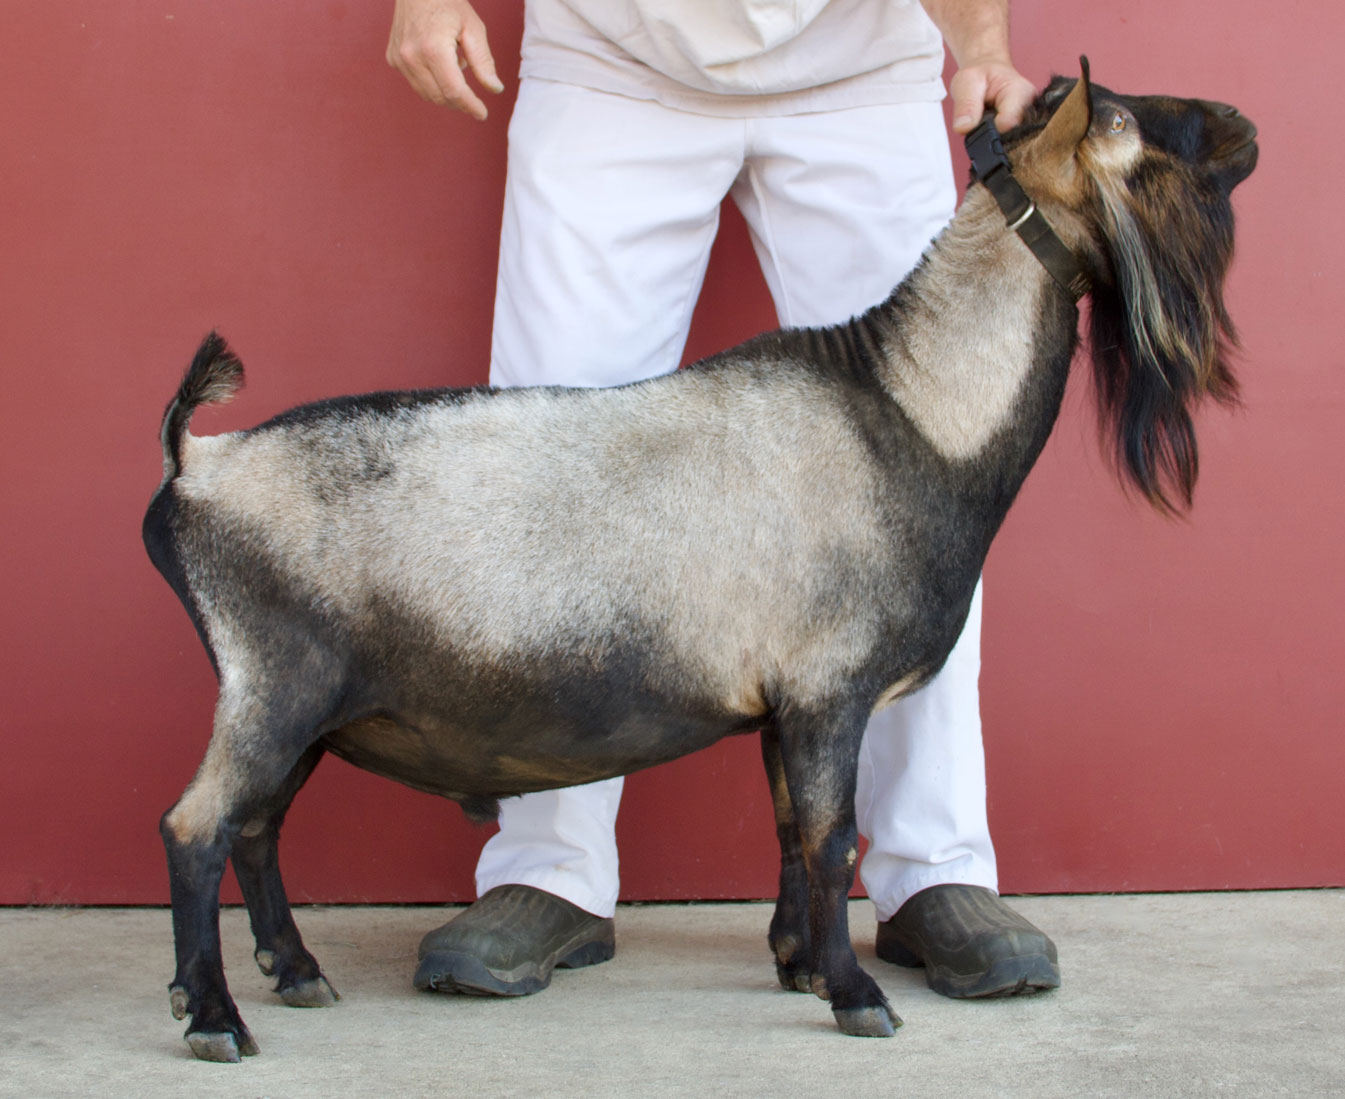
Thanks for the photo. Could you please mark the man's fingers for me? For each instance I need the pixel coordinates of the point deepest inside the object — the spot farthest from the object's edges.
(435, 75)
(421, 78)
(1013, 101)
(969, 88)
(454, 90)
(1000, 86)
(477, 56)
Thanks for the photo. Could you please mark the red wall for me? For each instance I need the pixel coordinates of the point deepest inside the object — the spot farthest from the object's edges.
(1162, 699)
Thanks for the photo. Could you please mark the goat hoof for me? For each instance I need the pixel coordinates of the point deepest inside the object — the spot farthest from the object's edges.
(315, 992)
(266, 961)
(868, 1022)
(222, 1045)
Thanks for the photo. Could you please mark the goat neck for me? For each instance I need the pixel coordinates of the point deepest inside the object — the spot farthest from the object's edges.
(964, 334)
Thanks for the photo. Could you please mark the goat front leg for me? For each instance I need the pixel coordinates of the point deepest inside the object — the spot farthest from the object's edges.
(280, 949)
(819, 756)
(788, 937)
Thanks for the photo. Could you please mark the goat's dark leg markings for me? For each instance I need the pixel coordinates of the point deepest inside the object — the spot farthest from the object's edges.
(788, 938)
(819, 754)
(280, 949)
(253, 754)
(217, 1032)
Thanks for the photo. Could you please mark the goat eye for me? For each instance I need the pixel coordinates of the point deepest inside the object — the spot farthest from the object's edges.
(1118, 123)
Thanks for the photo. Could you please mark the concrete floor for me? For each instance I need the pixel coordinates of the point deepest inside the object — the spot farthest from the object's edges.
(1237, 994)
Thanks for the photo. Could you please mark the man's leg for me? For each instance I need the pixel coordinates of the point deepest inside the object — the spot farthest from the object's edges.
(921, 791)
(546, 885)
(841, 206)
(611, 205)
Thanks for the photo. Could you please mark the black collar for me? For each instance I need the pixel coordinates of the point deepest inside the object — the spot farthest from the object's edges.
(991, 167)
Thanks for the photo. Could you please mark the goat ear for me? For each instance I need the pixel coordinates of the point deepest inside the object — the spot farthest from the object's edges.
(1069, 125)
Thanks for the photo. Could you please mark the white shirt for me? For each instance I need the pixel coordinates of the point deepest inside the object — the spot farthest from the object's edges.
(739, 57)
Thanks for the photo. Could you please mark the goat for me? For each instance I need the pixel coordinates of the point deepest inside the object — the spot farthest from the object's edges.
(480, 593)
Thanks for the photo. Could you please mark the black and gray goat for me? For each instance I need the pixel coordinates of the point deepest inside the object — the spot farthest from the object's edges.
(480, 593)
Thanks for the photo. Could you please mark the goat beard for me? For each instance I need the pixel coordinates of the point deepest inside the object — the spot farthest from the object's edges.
(1159, 334)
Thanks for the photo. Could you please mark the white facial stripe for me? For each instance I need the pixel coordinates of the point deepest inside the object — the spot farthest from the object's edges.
(1114, 155)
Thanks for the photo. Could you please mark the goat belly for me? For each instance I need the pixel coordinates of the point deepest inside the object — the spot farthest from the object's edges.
(531, 748)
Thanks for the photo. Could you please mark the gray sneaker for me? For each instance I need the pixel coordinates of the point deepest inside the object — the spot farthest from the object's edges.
(970, 942)
(509, 941)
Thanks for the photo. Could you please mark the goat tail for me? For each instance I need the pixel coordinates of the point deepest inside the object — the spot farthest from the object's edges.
(214, 376)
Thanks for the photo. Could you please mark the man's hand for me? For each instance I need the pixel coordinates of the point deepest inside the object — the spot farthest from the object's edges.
(977, 33)
(424, 46)
(996, 84)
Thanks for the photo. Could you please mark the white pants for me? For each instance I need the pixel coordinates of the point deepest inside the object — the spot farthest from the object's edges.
(611, 206)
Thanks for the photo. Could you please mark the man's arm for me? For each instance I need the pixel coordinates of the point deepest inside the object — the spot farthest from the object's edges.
(423, 46)
(977, 34)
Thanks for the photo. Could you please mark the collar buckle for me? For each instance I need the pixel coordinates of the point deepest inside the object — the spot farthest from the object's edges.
(986, 149)
(990, 165)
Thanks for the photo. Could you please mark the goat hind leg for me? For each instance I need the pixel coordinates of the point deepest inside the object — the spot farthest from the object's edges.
(280, 951)
(251, 753)
(195, 866)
